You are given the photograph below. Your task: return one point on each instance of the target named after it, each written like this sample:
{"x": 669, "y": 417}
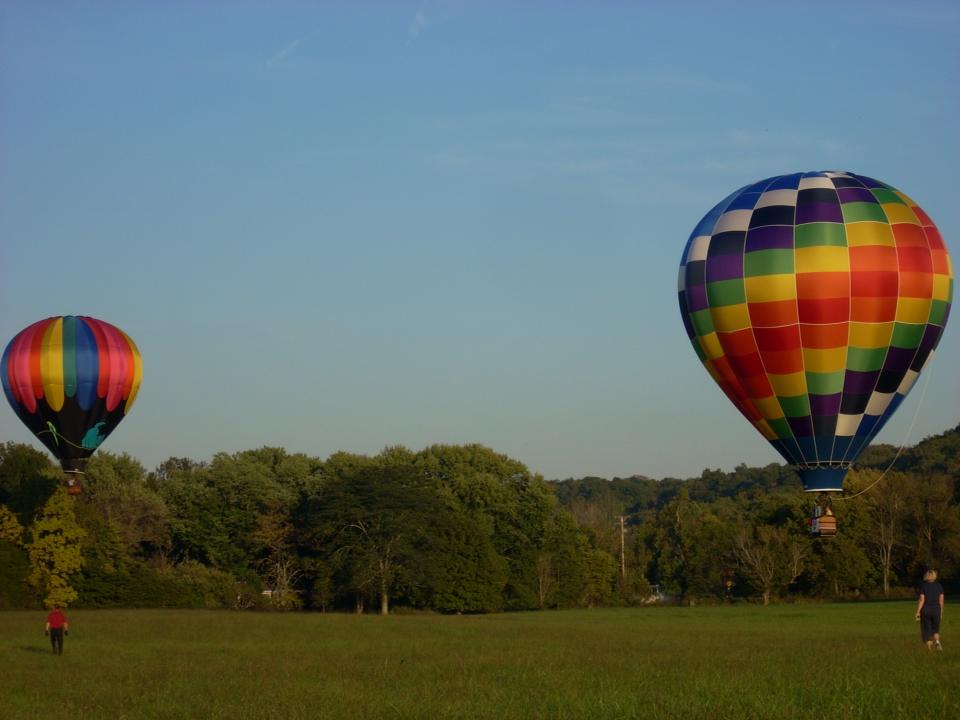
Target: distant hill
{"x": 937, "y": 454}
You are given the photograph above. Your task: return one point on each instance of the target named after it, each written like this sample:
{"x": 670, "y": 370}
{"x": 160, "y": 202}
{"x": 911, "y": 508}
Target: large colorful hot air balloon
{"x": 71, "y": 380}
{"x": 814, "y": 300}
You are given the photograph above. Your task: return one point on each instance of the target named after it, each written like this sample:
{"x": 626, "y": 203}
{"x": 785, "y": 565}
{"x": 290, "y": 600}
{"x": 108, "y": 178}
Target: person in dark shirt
{"x": 56, "y": 627}
{"x": 930, "y": 610}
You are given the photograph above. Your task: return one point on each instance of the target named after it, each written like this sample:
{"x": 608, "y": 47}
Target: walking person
{"x": 930, "y": 610}
{"x": 56, "y": 627}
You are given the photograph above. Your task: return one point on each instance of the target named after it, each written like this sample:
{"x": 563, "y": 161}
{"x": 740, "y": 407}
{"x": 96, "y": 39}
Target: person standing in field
{"x": 56, "y": 627}
{"x": 930, "y": 610}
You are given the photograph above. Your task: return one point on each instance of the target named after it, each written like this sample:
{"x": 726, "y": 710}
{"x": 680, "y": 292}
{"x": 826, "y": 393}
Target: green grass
{"x": 798, "y": 661}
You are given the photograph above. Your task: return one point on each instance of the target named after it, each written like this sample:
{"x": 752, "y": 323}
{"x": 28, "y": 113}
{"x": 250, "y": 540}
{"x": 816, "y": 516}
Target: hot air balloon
{"x": 815, "y": 300}
{"x": 71, "y": 380}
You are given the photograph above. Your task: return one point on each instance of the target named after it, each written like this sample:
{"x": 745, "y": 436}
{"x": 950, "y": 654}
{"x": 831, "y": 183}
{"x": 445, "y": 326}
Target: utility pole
{"x": 623, "y": 554}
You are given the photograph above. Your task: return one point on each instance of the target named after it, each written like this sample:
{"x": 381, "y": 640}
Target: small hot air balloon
{"x": 815, "y": 300}
{"x": 71, "y": 380}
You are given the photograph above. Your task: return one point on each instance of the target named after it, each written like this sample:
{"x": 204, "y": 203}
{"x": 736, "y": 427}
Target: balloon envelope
{"x": 71, "y": 380}
{"x": 814, "y": 300}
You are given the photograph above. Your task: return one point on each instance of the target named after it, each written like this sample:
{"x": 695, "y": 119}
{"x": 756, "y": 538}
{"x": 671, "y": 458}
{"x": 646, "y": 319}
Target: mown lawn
{"x": 799, "y": 661}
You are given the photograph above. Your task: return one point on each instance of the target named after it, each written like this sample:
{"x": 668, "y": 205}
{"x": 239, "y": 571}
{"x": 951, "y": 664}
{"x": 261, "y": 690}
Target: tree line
{"x": 459, "y": 529}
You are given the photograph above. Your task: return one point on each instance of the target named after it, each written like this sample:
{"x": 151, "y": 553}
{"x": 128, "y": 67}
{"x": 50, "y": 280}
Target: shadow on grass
{"x": 35, "y": 649}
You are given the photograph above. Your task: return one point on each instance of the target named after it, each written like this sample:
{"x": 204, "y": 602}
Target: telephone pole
{"x": 623, "y": 554}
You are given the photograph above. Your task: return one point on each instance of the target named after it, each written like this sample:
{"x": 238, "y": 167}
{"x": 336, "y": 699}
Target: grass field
{"x": 807, "y": 661}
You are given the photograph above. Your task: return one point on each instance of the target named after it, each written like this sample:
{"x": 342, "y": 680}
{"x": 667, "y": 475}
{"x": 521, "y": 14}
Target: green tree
{"x": 460, "y": 570}
{"x": 771, "y": 558}
{"x": 510, "y": 504}
{"x": 885, "y": 501}
{"x": 562, "y": 572}
{"x": 104, "y": 579}
{"x": 273, "y": 540}
{"x": 27, "y": 479}
{"x": 571, "y": 570}
{"x": 171, "y": 467}
{"x": 14, "y": 565}
{"x": 932, "y": 525}
{"x": 600, "y": 577}
{"x": 54, "y": 550}
{"x": 639, "y": 543}
{"x": 936, "y": 454}
{"x": 599, "y": 511}
{"x": 694, "y": 542}
{"x": 842, "y": 566}
{"x": 116, "y": 485}
{"x": 215, "y": 508}
{"x": 373, "y": 520}
{"x": 11, "y": 530}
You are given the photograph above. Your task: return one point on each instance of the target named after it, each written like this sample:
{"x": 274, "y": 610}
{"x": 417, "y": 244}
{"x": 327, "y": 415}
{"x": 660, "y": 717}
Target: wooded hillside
{"x": 459, "y": 529}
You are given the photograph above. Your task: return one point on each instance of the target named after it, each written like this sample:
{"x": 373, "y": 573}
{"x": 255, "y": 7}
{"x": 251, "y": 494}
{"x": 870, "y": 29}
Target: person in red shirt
{"x": 57, "y": 626}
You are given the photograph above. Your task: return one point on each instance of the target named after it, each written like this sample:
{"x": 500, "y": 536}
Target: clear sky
{"x": 342, "y": 226}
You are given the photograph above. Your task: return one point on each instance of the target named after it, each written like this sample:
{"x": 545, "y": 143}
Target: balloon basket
{"x": 72, "y": 483}
{"x": 822, "y": 523}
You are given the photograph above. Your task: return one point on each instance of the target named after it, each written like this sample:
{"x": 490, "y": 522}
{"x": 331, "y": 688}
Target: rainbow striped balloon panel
{"x": 814, "y": 300}
{"x": 71, "y": 380}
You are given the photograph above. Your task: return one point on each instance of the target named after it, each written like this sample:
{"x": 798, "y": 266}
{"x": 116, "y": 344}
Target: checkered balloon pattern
{"x": 815, "y": 300}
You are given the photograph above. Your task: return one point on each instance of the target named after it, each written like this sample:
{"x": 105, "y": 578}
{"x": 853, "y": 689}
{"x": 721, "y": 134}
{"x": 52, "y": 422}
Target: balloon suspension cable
{"x": 903, "y": 445}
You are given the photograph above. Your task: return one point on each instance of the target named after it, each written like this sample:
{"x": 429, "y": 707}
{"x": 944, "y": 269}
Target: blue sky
{"x": 339, "y": 226}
